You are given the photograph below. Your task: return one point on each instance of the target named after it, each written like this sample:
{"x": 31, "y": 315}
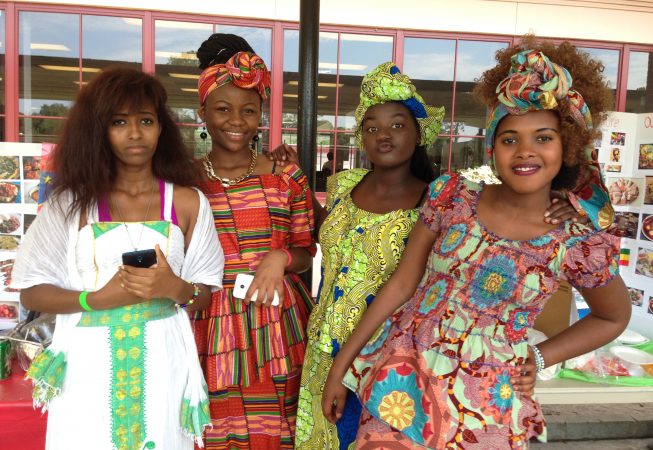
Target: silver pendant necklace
{"x": 147, "y": 212}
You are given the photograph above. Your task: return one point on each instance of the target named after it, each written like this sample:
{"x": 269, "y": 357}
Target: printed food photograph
{"x": 623, "y": 191}
{"x": 646, "y": 156}
{"x": 626, "y": 224}
{"x": 10, "y": 223}
{"x": 8, "y": 167}
{"x": 617, "y": 138}
{"x": 8, "y": 242}
{"x": 9, "y": 311}
{"x": 31, "y": 167}
{"x": 647, "y": 227}
{"x": 644, "y": 265}
{"x": 636, "y": 296}
{"x": 6, "y": 267}
{"x": 648, "y": 191}
{"x": 27, "y": 221}
{"x": 9, "y": 192}
{"x": 31, "y": 192}
{"x": 613, "y": 168}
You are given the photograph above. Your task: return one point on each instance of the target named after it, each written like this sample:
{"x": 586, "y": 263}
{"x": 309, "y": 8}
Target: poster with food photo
{"x": 646, "y": 156}
{"x": 648, "y": 191}
{"x": 626, "y": 224}
{"x": 617, "y": 138}
{"x": 644, "y": 264}
{"x": 647, "y": 227}
{"x": 636, "y": 296}
{"x": 9, "y": 314}
{"x": 625, "y": 191}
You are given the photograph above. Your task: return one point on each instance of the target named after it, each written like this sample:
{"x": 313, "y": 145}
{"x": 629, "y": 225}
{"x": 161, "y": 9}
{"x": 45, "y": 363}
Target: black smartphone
{"x": 139, "y": 258}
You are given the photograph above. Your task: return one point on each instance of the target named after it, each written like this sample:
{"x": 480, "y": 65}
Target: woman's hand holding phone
{"x": 156, "y": 281}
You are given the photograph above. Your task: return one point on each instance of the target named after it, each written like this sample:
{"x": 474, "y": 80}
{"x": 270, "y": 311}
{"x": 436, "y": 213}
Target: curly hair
{"x": 588, "y": 80}
{"x": 83, "y": 159}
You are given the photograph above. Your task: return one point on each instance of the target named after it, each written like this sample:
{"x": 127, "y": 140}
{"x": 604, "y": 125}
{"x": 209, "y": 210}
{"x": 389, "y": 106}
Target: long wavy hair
{"x": 83, "y": 160}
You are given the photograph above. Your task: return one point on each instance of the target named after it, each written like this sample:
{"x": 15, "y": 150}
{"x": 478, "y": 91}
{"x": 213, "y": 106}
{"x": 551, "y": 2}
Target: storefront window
{"x": 176, "y": 65}
{"x": 639, "y": 97}
{"x": 2, "y": 75}
{"x": 49, "y": 74}
{"x": 359, "y": 53}
{"x": 467, "y": 129}
{"x": 49, "y": 56}
{"x": 430, "y": 64}
{"x": 125, "y": 36}
{"x": 610, "y": 60}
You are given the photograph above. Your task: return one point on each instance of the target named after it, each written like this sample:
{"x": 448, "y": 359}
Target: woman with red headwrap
{"x": 251, "y": 349}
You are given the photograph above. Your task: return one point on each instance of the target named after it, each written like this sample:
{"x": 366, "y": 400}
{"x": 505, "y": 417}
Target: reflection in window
{"x": 49, "y": 60}
{"x": 125, "y": 37}
{"x": 176, "y": 65}
{"x": 610, "y": 60}
{"x": 49, "y": 73}
{"x": 2, "y": 76}
{"x": 639, "y": 96}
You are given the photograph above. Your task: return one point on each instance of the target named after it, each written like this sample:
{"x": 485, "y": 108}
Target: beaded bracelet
{"x": 196, "y": 293}
{"x": 539, "y": 359}
{"x": 289, "y": 255}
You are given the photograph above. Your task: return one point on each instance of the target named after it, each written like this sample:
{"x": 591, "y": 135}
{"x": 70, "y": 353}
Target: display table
{"x": 21, "y": 426}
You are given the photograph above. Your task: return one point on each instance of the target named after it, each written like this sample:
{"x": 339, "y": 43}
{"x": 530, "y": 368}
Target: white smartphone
{"x": 243, "y": 281}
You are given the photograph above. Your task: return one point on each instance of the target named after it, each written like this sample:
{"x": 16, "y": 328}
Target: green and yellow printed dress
{"x": 360, "y": 250}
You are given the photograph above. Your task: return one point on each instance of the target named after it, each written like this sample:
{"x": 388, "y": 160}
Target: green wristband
{"x": 82, "y": 301}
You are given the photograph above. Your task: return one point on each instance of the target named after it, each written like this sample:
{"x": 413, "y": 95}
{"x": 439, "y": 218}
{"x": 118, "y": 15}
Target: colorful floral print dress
{"x": 437, "y": 373}
{"x": 252, "y": 355}
{"x": 360, "y": 250}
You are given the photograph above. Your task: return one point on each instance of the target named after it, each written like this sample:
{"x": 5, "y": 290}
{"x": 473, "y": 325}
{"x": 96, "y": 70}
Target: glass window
{"x": 430, "y": 64}
{"x": 49, "y": 73}
{"x": 2, "y": 75}
{"x": 359, "y": 53}
{"x": 474, "y": 57}
{"x": 260, "y": 39}
{"x": 125, "y": 35}
{"x": 176, "y": 44}
{"x": 49, "y": 60}
{"x": 610, "y": 60}
{"x": 639, "y": 96}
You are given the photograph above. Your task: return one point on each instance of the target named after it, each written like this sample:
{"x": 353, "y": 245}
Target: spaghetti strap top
{"x": 167, "y": 213}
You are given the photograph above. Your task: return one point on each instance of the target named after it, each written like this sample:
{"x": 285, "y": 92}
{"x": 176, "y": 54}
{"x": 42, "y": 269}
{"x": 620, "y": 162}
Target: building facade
{"x": 51, "y": 49}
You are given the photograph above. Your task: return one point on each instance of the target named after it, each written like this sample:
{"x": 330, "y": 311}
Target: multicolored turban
{"x": 387, "y": 84}
{"x": 244, "y": 69}
{"x": 535, "y": 83}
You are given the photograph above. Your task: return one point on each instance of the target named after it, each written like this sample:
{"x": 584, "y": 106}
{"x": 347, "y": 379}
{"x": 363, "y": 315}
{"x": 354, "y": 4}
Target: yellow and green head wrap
{"x": 387, "y": 84}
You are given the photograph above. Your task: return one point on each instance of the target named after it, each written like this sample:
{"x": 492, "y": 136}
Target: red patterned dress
{"x": 437, "y": 373}
{"x": 252, "y": 355}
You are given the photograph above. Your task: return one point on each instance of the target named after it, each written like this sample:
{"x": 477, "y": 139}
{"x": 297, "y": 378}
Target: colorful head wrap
{"x": 244, "y": 69}
{"x": 387, "y": 84}
{"x": 535, "y": 83}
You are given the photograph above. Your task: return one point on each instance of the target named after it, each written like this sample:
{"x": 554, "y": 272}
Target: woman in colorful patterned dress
{"x": 122, "y": 369}
{"x": 436, "y": 373}
{"x": 252, "y": 352}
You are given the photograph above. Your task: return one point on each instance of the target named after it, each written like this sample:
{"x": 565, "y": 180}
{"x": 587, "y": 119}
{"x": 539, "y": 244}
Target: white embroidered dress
{"x": 129, "y": 377}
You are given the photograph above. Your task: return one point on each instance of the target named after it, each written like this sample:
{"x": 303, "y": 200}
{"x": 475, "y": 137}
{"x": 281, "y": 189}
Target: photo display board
{"x": 625, "y": 152}
{"x": 20, "y": 188}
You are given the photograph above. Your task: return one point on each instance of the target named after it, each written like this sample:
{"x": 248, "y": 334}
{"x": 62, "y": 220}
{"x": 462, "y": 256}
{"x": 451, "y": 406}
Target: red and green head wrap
{"x": 536, "y": 83}
{"x": 245, "y": 70}
{"x": 387, "y": 84}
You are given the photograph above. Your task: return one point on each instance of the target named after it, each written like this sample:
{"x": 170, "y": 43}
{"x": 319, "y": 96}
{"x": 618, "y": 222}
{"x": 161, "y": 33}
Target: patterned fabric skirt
{"x": 252, "y": 358}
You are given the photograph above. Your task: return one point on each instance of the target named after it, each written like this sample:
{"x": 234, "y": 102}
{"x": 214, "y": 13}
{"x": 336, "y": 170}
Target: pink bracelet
{"x": 289, "y": 255}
